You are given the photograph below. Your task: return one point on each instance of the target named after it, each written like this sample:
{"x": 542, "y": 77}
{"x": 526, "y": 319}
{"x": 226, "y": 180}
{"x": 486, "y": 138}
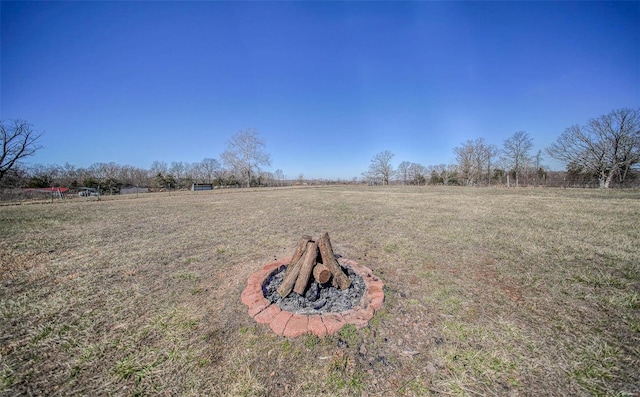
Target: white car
{"x": 86, "y": 192}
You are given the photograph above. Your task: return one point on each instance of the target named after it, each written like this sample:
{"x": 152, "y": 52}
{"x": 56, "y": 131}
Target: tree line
{"x": 604, "y": 152}
{"x": 240, "y": 165}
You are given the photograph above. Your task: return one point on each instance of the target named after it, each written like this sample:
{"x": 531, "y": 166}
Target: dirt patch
{"x": 505, "y": 284}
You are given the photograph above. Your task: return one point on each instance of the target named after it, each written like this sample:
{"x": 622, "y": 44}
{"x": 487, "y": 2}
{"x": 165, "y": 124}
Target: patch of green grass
{"x": 631, "y": 271}
{"x": 390, "y": 248}
{"x": 380, "y": 316}
{"x": 190, "y": 260}
{"x": 335, "y": 381}
{"x": 287, "y": 347}
{"x": 185, "y": 275}
{"x": 600, "y": 279}
{"x": 416, "y": 386}
{"x": 342, "y": 375}
{"x": 203, "y": 362}
{"x": 448, "y": 300}
{"x": 624, "y": 300}
{"x": 87, "y": 354}
{"x": 6, "y": 377}
{"x": 189, "y": 324}
{"x": 311, "y": 341}
{"x": 484, "y": 366}
{"x": 478, "y": 359}
{"x": 355, "y": 383}
{"x": 595, "y": 366}
{"x": 457, "y": 330}
{"x": 130, "y": 368}
{"x": 349, "y": 333}
{"x": 414, "y": 302}
{"x": 42, "y": 334}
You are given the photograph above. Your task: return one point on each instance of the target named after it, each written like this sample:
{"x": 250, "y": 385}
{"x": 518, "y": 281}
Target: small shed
{"x": 201, "y": 186}
{"x": 134, "y": 190}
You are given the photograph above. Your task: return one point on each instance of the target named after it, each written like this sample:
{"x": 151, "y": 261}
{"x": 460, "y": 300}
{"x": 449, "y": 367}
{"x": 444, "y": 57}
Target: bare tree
{"x": 607, "y": 146}
{"x": 139, "y": 177}
{"x": 41, "y": 175}
{"x": 194, "y": 170}
{"x": 474, "y": 159}
{"x": 19, "y": 140}
{"x": 266, "y": 178}
{"x": 279, "y": 175}
{"x": 381, "y": 168}
{"x": 467, "y": 162}
{"x": 418, "y": 173}
{"x": 208, "y": 168}
{"x": 490, "y": 153}
{"x": 483, "y": 154}
{"x": 107, "y": 175}
{"x": 17, "y": 176}
{"x": 539, "y": 170}
{"x": 245, "y": 154}
{"x": 68, "y": 175}
{"x": 97, "y": 171}
{"x": 515, "y": 153}
{"x": 159, "y": 167}
{"x": 178, "y": 169}
{"x": 443, "y": 173}
{"x": 402, "y": 173}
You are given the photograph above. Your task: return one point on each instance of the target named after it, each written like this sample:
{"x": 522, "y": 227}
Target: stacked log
{"x": 329, "y": 260}
{"x": 312, "y": 258}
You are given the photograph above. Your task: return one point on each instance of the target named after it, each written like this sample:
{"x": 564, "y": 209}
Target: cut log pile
{"x": 312, "y": 258}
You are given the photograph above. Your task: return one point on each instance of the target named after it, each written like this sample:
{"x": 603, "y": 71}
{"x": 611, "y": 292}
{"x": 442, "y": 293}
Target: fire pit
{"x": 313, "y": 292}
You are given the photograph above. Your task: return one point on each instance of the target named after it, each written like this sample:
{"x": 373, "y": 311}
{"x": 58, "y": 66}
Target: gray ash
{"x": 317, "y": 298}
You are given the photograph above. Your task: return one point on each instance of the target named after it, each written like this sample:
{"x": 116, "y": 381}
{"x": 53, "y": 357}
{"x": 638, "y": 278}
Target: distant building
{"x": 201, "y": 186}
{"x": 59, "y": 192}
{"x": 134, "y": 190}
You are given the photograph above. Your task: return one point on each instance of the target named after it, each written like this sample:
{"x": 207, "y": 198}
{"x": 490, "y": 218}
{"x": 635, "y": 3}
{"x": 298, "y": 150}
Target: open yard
{"x": 488, "y": 292}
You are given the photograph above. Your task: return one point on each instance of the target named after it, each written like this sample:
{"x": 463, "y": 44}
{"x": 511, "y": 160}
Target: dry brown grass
{"x": 489, "y": 292}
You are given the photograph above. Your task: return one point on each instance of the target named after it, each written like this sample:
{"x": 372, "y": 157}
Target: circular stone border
{"x": 292, "y": 325}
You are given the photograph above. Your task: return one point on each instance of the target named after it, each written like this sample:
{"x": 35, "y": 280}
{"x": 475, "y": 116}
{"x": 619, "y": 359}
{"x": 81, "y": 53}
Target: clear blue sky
{"x": 327, "y": 84}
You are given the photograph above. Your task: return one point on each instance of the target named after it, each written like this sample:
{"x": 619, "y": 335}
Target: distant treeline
{"x": 110, "y": 177}
{"x": 603, "y": 153}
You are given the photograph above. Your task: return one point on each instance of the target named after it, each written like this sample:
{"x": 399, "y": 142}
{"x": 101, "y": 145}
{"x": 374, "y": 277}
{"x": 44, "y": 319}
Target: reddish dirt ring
{"x": 292, "y": 325}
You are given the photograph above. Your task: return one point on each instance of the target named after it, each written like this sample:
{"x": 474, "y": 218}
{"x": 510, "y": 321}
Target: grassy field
{"x": 488, "y": 292}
